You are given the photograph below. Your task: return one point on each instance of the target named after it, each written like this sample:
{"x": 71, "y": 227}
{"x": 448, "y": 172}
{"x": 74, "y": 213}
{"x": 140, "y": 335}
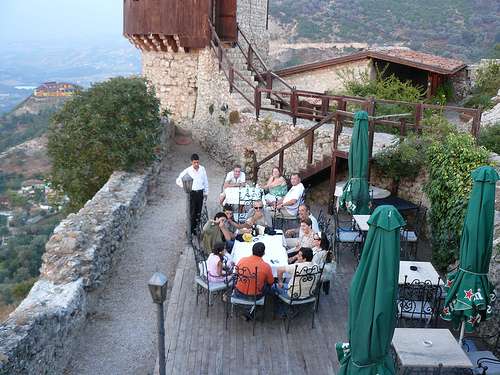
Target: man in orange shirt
{"x": 264, "y": 274}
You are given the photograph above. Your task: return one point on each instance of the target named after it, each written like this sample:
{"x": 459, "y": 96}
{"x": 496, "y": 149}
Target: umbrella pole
{"x": 462, "y": 334}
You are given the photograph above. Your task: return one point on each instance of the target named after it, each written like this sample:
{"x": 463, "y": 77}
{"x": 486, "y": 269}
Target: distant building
{"x": 29, "y": 186}
{"x": 55, "y": 89}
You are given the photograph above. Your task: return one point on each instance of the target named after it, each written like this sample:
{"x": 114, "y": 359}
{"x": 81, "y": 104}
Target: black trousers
{"x": 195, "y": 205}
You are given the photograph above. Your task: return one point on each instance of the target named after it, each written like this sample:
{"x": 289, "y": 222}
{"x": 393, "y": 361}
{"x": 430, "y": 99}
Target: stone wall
{"x": 39, "y": 336}
{"x": 252, "y": 19}
{"x": 324, "y": 79}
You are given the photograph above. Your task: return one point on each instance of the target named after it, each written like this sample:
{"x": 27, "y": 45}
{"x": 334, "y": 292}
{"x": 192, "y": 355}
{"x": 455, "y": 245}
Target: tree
{"x": 112, "y": 125}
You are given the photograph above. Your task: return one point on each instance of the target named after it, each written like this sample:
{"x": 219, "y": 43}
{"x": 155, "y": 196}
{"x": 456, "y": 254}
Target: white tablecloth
{"x": 233, "y": 194}
{"x": 275, "y": 254}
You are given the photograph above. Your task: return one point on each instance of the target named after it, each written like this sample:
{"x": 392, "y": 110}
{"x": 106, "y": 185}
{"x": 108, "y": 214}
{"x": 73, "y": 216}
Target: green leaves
{"x": 112, "y": 125}
{"x": 451, "y": 160}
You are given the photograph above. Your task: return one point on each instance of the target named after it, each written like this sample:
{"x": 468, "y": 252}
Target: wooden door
{"x": 225, "y": 20}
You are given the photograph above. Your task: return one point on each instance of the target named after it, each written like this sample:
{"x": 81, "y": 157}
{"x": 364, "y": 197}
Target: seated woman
{"x": 215, "y": 263}
{"x": 305, "y": 241}
{"x": 321, "y": 245}
{"x": 276, "y": 185}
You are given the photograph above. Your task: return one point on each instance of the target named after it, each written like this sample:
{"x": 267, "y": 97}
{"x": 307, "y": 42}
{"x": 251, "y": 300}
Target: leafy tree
{"x": 487, "y": 84}
{"x": 18, "y": 200}
{"x": 112, "y": 125}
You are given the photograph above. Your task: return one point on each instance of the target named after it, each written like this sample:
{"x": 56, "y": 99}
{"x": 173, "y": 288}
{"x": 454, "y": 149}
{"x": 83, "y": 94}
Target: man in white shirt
{"x": 199, "y": 191}
{"x": 233, "y": 179}
{"x": 289, "y": 204}
{"x": 304, "y": 211}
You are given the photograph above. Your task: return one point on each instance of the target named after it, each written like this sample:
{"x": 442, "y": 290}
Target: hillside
{"x": 459, "y": 29}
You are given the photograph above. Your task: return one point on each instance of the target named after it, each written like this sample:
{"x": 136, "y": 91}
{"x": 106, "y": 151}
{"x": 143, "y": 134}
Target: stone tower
{"x": 175, "y": 37}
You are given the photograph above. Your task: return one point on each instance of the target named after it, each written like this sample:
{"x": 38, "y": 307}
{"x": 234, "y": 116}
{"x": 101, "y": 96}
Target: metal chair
{"x": 246, "y": 281}
{"x": 204, "y": 286}
{"x": 324, "y": 223}
{"x": 411, "y": 234}
{"x": 303, "y": 295}
{"x": 418, "y": 303}
{"x": 346, "y": 236}
{"x": 287, "y": 222}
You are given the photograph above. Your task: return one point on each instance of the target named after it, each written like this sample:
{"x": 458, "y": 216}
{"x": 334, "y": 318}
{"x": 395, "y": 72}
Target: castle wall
{"x": 40, "y": 335}
{"x": 324, "y": 79}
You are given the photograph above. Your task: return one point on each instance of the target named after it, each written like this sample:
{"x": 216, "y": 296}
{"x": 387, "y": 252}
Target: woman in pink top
{"x": 215, "y": 263}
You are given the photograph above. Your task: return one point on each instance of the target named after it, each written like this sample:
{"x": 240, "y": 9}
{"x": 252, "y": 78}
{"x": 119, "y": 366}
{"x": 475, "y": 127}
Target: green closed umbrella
{"x": 471, "y": 295}
{"x": 355, "y": 196}
{"x": 373, "y": 298}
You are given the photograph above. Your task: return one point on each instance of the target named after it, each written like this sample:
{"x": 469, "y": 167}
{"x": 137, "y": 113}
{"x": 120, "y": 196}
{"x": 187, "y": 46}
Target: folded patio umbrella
{"x": 373, "y": 299}
{"x": 355, "y": 197}
{"x": 471, "y": 295}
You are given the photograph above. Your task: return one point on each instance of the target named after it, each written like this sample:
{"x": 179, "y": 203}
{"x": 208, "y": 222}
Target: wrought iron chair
{"x": 418, "y": 303}
{"x": 245, "y": 203}
{"x": 411, "y": 234}
{"x": 486, "y": 361}
{"x": 309, "y": 286}
{"x": 246, "y": 281}
{"x": 346, "y": 236}
{"x": 204, "y": 286}
{"x": 324, "y": 223}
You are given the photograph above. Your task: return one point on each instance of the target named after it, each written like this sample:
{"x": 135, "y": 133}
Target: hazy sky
{"x": 46, "y": 18}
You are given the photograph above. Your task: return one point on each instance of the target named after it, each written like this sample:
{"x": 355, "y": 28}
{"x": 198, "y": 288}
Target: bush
{"x": 451, "y": 160}
{"x": 112, "y": 125}
{"x": 490, "y": 137}
{"x": 487, "y": 84}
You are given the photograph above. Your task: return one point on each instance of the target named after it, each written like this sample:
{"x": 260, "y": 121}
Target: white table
{"x": 233, "y": 195}
{"x": 424, "y": 271}
{"x": 275, "y": 254}
{"x": 362, "y": 221}
{"x": 375, "y": 192}
{"x": 428, "y": 348}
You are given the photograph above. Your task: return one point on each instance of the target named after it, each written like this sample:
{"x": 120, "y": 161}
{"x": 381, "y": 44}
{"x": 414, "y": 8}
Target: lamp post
{"x": 158, "y": 288}
{"x": 187, "y": 184}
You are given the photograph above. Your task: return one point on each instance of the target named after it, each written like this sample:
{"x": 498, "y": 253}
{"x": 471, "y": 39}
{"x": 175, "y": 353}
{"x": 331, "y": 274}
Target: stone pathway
{"x": 121, "y": 337}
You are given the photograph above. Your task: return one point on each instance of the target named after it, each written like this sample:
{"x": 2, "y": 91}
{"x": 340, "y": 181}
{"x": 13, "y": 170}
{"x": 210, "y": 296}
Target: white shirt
{"x": 294, "y": 193}
{"x": 230, "y": 178}
{"x": 200, "y": 180}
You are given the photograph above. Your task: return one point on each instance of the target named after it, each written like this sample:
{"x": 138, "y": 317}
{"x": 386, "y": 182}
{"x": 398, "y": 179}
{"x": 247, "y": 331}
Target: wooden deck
{"x": 197, "y": 345}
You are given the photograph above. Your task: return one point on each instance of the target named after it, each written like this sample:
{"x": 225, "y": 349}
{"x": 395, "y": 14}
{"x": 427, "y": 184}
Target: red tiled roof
{"x": 407, "y": 57}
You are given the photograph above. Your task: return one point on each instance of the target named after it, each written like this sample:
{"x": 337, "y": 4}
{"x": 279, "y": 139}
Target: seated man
{"x": 288, "y": 205}
{"x": 304, "y": 211}
{"x": 259, "y": 215}
{"x": 229, "y": 233}
{"x": 211, "y": 232}
{"x": 233, "y": 179}
{"x": 300, "y": 284}
{"x": 264, "y": 275}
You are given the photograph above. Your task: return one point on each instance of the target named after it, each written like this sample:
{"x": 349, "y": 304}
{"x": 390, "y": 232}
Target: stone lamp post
{"x": 158, "y": 288}
{"x": 187, "y": 184}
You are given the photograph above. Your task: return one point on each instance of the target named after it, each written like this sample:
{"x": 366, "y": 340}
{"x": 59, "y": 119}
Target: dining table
{"x": 275, "y": 253}
{"x": 399, "y": 204}
{"x": 410, "y": 271}
{"x": 428, "y": 351}
{"x": 242, "y": 195}
{"x": 375, "y": 192}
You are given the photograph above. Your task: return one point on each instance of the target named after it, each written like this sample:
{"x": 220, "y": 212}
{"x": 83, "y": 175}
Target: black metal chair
{"x": 287, "y": 222}
{"x": 246, "y": 281}
{"x": 324, "y": 223}
{"x": 418, "y": 303}
{"x": 486, "y": 361}
{"x": 411, "y": 234}
{"x": 346, "y": 236}
{"x": 303, "y": 295}
{"x": 204, "y": 286}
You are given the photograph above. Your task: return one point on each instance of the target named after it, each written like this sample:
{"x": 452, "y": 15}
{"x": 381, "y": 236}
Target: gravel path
{"x": 120, "y": 336}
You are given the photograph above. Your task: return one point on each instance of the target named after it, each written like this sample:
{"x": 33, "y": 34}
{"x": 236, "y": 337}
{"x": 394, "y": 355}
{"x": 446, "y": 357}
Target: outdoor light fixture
{"x": 158, "y": 288}
{"x": 187, "y": 183}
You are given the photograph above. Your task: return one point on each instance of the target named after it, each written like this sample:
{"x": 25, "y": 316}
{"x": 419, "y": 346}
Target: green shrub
{"x": 451, "y": 160}
{"x": 112, "y": 125}
{"x": 489, "y": 137}
{"x": 487, "y": 84}
{"x": 401, "y": 160}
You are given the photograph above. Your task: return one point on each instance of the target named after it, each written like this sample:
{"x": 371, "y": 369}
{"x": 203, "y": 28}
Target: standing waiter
{"x": 200, "y": 188}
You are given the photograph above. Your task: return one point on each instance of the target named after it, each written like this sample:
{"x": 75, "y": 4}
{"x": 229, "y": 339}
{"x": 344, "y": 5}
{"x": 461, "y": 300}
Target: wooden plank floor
{"x": 196, "y": 344}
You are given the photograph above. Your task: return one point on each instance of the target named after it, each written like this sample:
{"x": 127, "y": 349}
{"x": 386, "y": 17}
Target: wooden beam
{"x": 170, "y": 41}
{"x": 139, "y": 42}
{"x": 158, "y": 42}
{"x": 148, "y": 42}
